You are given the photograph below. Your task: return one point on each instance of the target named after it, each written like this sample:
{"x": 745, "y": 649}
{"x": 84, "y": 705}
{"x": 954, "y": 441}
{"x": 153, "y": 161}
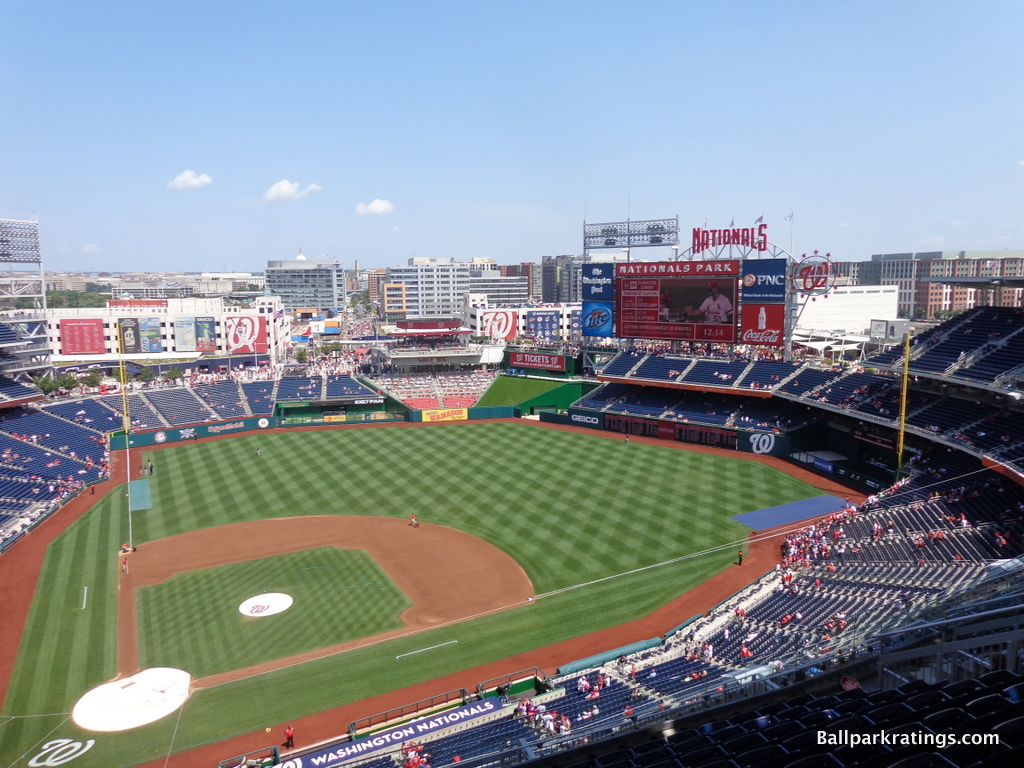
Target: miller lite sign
{"x": 764, "y": 325}
{"x": 598, "y": 317}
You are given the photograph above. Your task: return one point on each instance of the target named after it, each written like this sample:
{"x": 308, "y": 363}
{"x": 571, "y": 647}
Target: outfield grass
{"x": 570, "y": 508}
{"x": 192, "y": 622}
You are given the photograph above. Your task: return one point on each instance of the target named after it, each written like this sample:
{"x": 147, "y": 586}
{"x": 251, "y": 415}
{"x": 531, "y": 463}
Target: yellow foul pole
{"x": 903, "y": 403}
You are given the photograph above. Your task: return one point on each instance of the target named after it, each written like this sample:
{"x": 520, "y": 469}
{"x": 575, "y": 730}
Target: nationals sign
{"x": 536, "y": 360}
{"x": 499, "y": 324}
{"x": 245, "y": 335}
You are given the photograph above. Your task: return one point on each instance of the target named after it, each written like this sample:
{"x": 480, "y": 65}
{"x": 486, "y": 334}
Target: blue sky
{"x": 495, "y": 129}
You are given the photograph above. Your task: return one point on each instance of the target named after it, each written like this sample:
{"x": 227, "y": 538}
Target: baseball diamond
{"x": 548, "y": 504}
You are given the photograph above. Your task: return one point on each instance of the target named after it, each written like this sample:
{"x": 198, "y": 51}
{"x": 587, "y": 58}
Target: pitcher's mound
{"x": 132, "y": 701}
{"x": 266, "y": 604}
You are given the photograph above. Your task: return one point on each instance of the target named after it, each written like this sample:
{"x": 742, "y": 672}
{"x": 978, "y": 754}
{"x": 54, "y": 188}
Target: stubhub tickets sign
{"x": 342, "y": 753}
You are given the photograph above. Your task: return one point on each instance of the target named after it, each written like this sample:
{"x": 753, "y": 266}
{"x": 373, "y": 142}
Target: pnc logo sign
{"x": 750, "y": 281}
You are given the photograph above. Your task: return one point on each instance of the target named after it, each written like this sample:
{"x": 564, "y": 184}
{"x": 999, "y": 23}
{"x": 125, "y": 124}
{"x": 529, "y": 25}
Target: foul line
{"x": 370, "y": 644}
{"x": 421, "y": 650}
{"x": 85, "y": 592}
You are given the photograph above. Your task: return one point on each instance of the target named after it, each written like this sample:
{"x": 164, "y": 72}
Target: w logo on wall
{"x": 245, "y": 335}
{"x": 498, "y": 325}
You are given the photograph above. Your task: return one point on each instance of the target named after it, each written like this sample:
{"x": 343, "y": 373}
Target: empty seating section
{"x": 658, "y": 367}
{"x": 417, "y": 391}
{"x": 767, "y": 374}
{"x": 16, "y": 493}
{"x": 180, "y": 406}
{"x": 985, "y": 325}
{"x": 27, "y": 459}
{"x": 142, "y": 416}
{"x": 997, "y": 362}
{"x": 260, "y": 395}
{"x": 948, "y": 414}
{"x": 851, "y": 389}
{"x": 8, "y": 335}
{"x": 12, "y": 390}
{"x": 716, "y": 373}
{"x": 462, "y": 389}
{"x": 622, "y": 364}
{"x": 224, "y": 398}
{"x": 300, "y": 388}
{"x": 41, "y": 428}
{"x": 892, "y": 355}
{"x": 346, "y": 386}
{"x": 808, "y": 379}
{"x": 785, "y": 734}
{"x": 87, "y": 412}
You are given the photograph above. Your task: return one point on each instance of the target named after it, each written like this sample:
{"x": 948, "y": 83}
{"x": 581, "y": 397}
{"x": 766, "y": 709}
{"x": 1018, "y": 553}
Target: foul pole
{"x": 126, "y": 425}
{"x": 903, "y": 404}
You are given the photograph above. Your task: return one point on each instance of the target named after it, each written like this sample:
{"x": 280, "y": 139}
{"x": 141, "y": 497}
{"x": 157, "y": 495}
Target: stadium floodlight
{"x": 19, "y": 242}
{"x": 631, "y": 234}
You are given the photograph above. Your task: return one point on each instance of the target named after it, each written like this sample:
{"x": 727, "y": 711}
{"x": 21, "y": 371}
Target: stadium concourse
{"x": 901, "y": 610}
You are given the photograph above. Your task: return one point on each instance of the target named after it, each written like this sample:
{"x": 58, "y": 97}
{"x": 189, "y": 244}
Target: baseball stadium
{"x": 682, "y": 546}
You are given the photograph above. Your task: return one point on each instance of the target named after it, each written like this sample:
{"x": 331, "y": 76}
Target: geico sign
{"x": 585, "y": 419}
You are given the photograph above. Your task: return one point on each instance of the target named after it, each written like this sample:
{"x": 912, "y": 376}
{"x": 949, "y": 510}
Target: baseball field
{"x": 509, "y": 512}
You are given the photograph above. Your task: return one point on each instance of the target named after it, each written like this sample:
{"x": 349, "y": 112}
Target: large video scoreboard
{"x": 688, "y": 300}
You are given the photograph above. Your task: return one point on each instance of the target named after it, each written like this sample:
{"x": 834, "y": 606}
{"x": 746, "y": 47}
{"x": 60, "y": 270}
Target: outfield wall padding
{"x": 602, "y": 658}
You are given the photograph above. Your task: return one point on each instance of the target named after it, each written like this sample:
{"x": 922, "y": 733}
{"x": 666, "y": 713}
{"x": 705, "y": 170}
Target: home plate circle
{"x": 132, "y": 701}
{"x": 266, "y": 605}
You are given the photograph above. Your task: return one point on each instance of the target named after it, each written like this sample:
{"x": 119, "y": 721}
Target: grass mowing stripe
{"x": 569, "y": 507}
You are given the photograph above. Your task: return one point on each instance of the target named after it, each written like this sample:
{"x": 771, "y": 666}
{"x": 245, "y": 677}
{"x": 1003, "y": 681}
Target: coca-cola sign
{"x": 764, "y": 325}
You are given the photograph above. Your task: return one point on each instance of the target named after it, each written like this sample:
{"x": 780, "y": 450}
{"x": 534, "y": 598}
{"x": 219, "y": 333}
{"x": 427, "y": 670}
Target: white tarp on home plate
{"x": 133, "y": 701}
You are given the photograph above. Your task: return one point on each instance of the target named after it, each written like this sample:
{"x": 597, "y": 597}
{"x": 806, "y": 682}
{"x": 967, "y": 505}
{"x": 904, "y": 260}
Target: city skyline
{"x": 192, "y": 138}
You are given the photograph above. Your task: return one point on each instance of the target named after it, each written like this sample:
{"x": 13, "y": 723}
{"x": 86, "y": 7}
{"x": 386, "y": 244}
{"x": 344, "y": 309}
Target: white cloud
{"x": 91, "y": 248}
{"x": 934, "y": 241}
{"x": 958, "y": 223}
{"x": 376, "y": 208}
{"x": 1020, "y": 163}
{"x": 289, "y": 190}
{"x": 190, "y": 180}
{"x": 846, "y": 224}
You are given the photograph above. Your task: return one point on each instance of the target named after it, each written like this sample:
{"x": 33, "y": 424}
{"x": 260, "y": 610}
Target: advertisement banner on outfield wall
{"x": 179, "y": 434}
{"x": 395, "y": 737}
{"x": 764, "y": 443}
{"x": 536, "y": 360}
{"x": 592, "y": 419}
{"x": 446, "y": 414}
